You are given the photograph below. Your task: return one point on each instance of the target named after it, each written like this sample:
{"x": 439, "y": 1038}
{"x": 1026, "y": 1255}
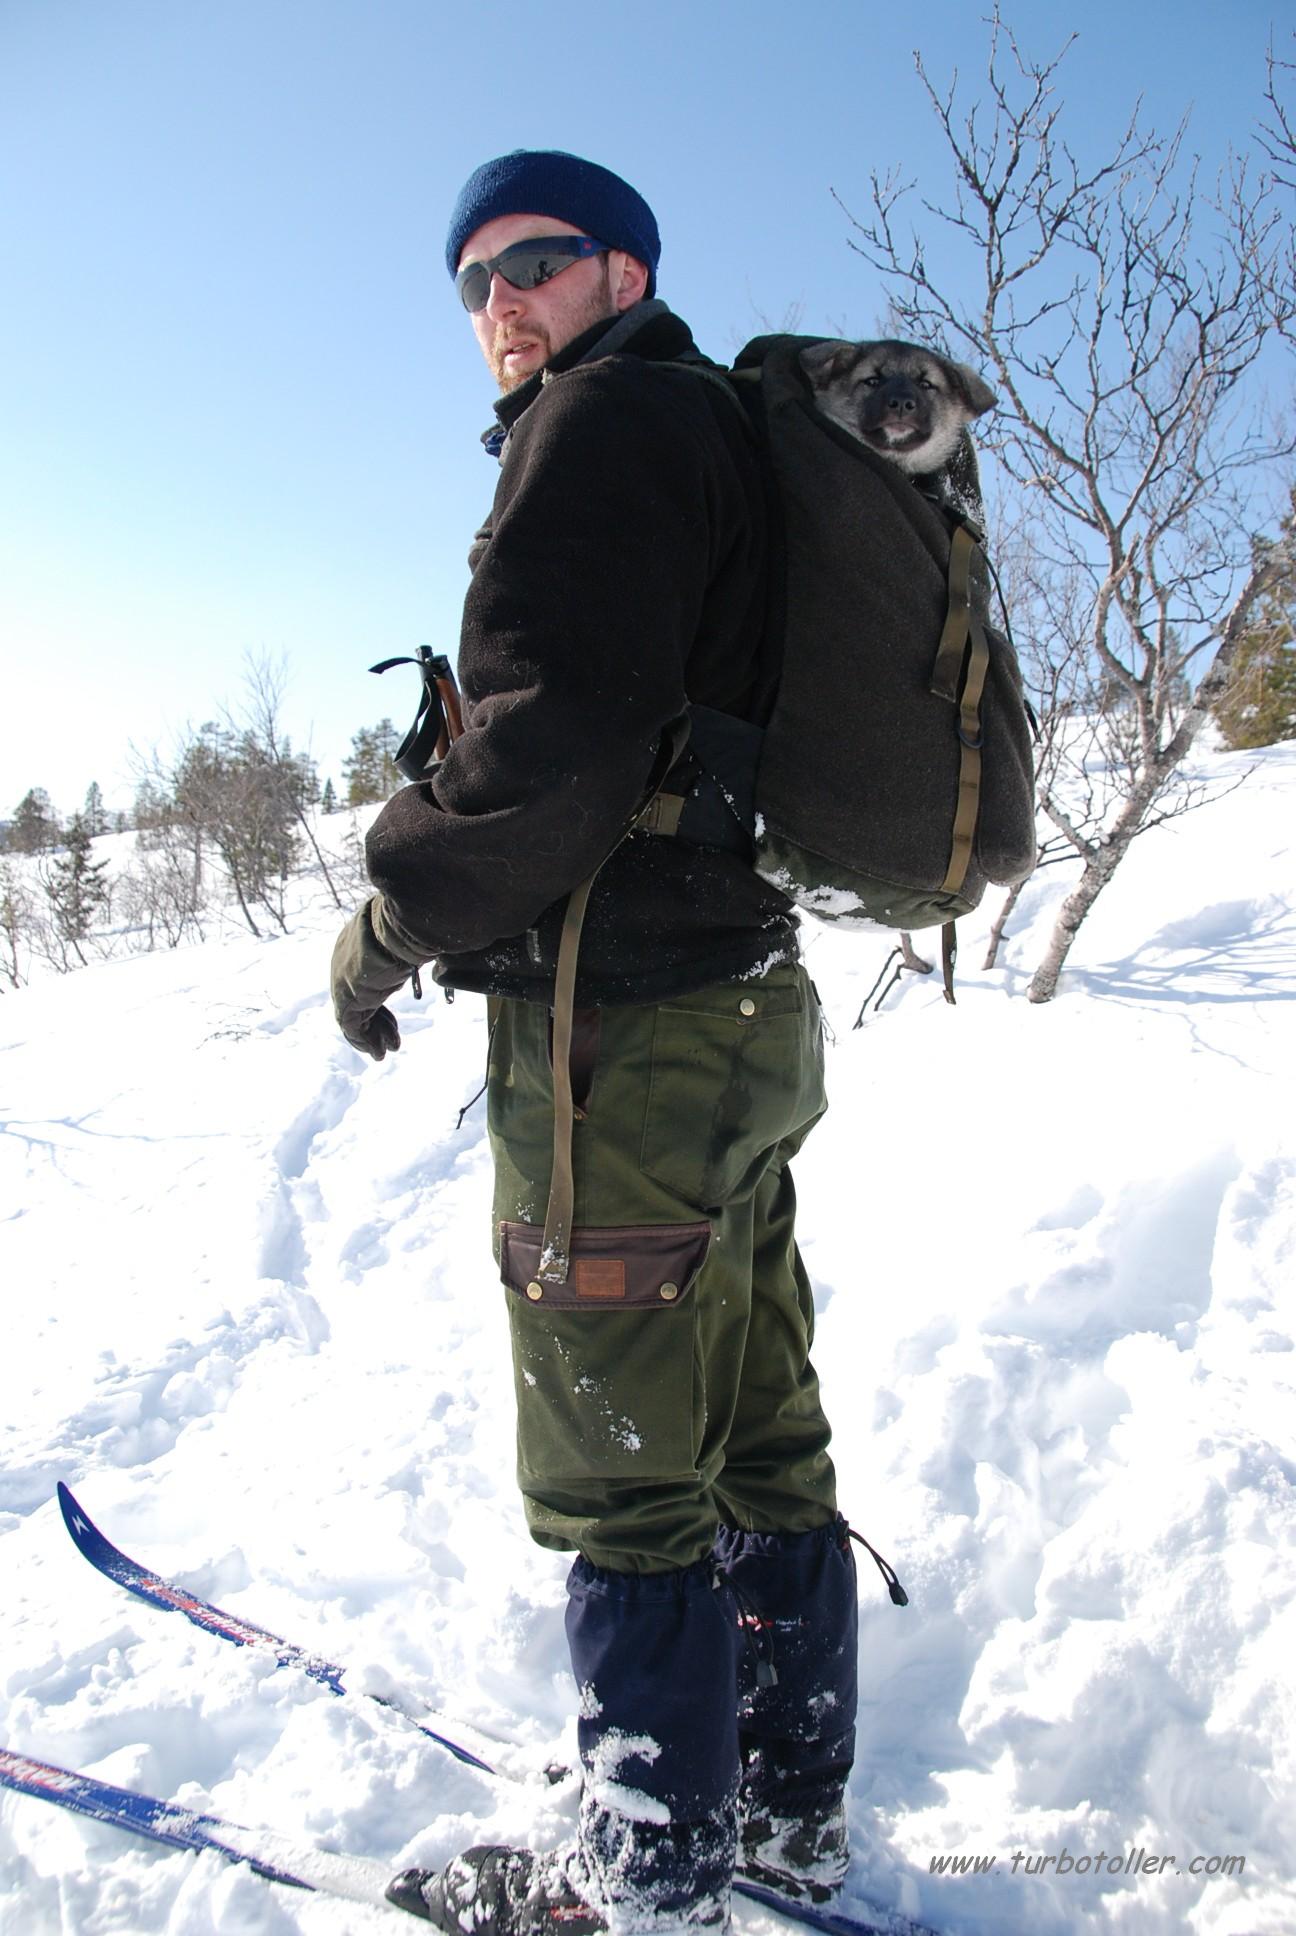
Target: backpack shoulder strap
{"x": 555, "y": 1247}
{"x": 734, "y": 384}
{"x": 959, "y": 676}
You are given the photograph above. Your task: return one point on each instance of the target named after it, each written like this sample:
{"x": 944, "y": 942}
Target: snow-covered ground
{"x": 250, "y": 1317}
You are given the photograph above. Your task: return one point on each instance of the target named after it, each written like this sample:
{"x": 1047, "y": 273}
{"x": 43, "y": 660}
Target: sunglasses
{"x": 524, "y": 265}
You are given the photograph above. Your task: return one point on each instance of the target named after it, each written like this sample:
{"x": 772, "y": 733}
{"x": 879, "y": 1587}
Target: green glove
{"x": 363, "y": 975}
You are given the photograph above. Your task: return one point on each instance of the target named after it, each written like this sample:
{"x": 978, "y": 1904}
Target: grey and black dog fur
{"x": 905, "y": 403}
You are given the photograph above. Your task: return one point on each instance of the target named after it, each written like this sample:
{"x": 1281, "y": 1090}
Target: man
{"x": 669, "y": 1426}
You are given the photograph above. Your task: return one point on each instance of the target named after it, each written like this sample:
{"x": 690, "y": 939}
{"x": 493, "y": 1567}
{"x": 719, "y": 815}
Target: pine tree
{"x": 93, "y": 812}
{"x": 76, "y": 887}
{"x": 370, "y": 769}
{"x": 328, "y": 799}
{"x": 1258, "y": 707}
{"x": 156, "y": 814}
{"x": 35, "y": 826}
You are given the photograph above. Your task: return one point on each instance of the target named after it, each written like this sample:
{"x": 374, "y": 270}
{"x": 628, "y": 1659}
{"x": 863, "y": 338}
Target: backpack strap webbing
{"x": 663, "y": 808}
{"x": 949, "y": 955}
{"x": 555, "y": 1248}
{"x": 963, "y": 638}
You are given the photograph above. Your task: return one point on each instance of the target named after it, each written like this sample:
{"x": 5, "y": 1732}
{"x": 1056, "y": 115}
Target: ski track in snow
{"x": 258, "y": 1331}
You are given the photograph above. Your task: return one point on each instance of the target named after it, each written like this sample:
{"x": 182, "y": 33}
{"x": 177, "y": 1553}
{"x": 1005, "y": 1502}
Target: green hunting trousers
{"x": 666, "y": 1387}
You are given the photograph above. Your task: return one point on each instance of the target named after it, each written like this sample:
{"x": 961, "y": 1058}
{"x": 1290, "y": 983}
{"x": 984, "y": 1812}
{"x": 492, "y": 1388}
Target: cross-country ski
{"x": 271, "y": 1855}
{"x": 832, "y": 1919}
{"x": 492, "y": 1756}
{"x": 300, "y": 1866}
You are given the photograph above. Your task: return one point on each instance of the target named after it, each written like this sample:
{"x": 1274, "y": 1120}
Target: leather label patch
{"x": 621, "y": 1263}
{"x": 599, "y": 1276}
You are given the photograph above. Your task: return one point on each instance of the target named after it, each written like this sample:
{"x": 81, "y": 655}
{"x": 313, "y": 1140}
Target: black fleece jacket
{"x": 622, "y": 574}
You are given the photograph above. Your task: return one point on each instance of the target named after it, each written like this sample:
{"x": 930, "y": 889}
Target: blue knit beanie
{"x": 546, "y": 181}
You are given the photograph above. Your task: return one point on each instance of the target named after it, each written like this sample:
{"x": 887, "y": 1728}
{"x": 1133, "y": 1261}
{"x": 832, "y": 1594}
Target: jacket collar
{"x": 649, "y": 329}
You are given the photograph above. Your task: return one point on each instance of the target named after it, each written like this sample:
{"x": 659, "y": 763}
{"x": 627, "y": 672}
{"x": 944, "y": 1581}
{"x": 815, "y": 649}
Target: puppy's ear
{"x": 824, "y": 361}
{"x": 978, "y": 396}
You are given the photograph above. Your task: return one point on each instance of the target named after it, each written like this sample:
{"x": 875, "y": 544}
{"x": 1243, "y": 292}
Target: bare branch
{"x": 1121, "y": 313}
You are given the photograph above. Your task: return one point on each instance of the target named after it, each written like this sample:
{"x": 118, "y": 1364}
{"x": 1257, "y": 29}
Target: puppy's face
{"x": 905, "y": 403}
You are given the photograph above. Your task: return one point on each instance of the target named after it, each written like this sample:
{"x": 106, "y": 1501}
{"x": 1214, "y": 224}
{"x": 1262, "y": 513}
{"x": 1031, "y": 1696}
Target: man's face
{"x": 521, "y": 329}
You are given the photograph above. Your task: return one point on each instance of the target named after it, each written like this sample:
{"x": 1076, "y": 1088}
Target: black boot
{"x": 655, "y": 1657}
{"x": 797, "y": 1597}
{"x": 497, "y": 1892}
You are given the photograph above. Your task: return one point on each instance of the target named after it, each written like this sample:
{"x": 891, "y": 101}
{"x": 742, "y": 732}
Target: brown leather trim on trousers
{"x": 647, "y": 1266}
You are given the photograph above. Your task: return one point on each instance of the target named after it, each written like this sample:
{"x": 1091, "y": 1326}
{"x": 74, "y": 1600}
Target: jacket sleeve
{"x": 577, "y": 626}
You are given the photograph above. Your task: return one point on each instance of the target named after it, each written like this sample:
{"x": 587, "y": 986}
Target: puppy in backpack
{"x": 906, "y": 404}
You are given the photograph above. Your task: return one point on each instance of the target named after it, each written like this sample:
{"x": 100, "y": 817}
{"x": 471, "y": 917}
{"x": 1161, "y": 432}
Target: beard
{"x": 597, "y": 307}
{"x": 506, "y": 378}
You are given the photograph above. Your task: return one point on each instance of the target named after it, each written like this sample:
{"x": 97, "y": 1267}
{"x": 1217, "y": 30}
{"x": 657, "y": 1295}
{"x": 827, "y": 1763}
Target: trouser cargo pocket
{"x": 736, "y": 1071}
{"x": 606, "y": 1364}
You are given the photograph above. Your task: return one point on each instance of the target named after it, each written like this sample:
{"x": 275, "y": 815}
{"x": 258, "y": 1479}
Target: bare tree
{"x": 291, "y": 775}
{"x": 209, "y": 796}
{"x": 1277, "y": 135}
{"x": 235, "y": 791}
{"x": 229, "y": 789}
{"x": 351, "y": 866}
{"x": 1120, "y": 313}
{"x": 1088, "y": 743}
{"x": 1276, "y": 139}
{"x": 160, "y": 897}
{"x": 164, "y": 828}
{"x": 17, "y": 921}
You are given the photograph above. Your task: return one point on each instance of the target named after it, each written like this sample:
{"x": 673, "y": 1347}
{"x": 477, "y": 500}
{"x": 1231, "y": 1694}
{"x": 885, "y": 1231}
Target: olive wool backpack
{"x": 894, "y": 777}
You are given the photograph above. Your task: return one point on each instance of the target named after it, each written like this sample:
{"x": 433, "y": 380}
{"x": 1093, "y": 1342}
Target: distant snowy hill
{"x": 250, "y": 1316}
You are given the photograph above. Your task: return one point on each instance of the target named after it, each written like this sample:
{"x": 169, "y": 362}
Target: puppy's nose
{"x": 897, "y": 404}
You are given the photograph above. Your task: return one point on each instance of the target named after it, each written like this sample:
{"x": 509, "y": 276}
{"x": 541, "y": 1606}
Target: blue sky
{"x": 239, "y": 403}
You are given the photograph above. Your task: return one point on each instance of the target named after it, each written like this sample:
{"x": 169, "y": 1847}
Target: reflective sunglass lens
{"x": 474, "y": 287}
{"x": 524, "y": 264}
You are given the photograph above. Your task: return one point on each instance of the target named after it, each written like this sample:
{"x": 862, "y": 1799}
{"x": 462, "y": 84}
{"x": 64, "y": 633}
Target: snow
{"x": 251, "y": 1318}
